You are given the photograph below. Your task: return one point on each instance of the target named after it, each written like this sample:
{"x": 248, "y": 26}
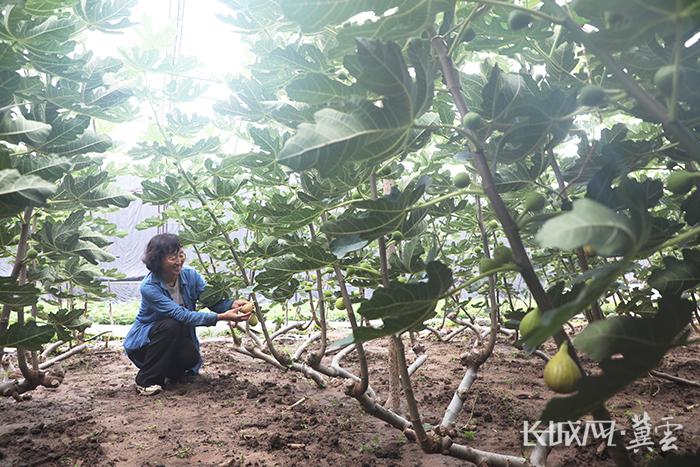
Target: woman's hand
{"x": 234, "y": 314}
{"x": 238, "y": 304}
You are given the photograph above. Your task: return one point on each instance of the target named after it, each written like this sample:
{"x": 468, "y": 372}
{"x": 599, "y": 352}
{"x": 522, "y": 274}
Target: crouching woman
{"x": 162, "y": 342}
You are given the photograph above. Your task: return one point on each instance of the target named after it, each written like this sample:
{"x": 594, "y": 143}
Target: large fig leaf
{"x": 589, "y": 223}
{"x": 404, "y": 306}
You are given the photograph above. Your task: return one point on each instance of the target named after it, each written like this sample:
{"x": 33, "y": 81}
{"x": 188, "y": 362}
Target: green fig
{"x": 461, "y": 180}
{"x": 529, "y": 321}
{"x": 591, "y": 96}
{"x": 561, "y": 373}
{"x": 486, "y": 265}
{"x": 467, "y": 35}
{"x": 253, "y": 320}
{"x": 681, "y": 181}
{"x": 31, "y": 253}
{"x": 397, "y": 236}
{"x": 502, "y": 255}
{"x": 340, "y": 303}
{"x": 472, "y": 121}
{"x": 518, "y": 20}
{"x": 663, "y": 78}
{"x": 534, "y": 202}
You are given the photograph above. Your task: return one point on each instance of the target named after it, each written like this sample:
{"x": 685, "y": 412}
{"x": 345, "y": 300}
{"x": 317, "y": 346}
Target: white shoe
{"x": 149, "y": 390}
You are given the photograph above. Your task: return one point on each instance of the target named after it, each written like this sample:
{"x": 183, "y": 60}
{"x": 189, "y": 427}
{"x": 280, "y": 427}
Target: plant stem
{"x": 360, "y": 387}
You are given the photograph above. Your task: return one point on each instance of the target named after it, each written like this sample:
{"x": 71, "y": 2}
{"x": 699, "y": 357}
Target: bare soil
{"x": 239, "y": 412}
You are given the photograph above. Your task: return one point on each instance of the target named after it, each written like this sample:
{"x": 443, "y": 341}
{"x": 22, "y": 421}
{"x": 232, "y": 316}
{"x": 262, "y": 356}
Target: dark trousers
{"x": 170, "y": 352}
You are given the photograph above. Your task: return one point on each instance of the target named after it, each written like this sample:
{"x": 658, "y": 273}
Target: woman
{"x": 162, "y": 342}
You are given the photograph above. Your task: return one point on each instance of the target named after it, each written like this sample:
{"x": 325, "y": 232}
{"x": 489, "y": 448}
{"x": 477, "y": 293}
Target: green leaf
{"x": 589, "y": 223}
{"x": 65, "y": 321}
{"x": 161, "y": 193}
{"x": 380, "y": 217}
{"x": 280, "y": 270}
{"x": 317, "y": 88}
{"x": 48, "y": 167}
{"x": 15, "y": 124}
{"x": 11, "y": 293}
{"x": 19, "y": 191}
{"x": 37, "y": 35}
{"x": 314, "y": 15}
{"x": 402, "y": 307}
{"x": 45, "y": 8}
{"x": 224, "y": 189}
{"x": 91, "y": 191}
{"x": 105, "y": 15}
{"x": 636, "y": 26}
{"x": 677, "y": 275}
{"x": 219, "y": 287}
{"x": 368, "y": 133}
{"x": 62, "y": 239}
{"x": 408, "y": 20}
{"x": 29, "y": 336}
{"x": 626, "y": 348}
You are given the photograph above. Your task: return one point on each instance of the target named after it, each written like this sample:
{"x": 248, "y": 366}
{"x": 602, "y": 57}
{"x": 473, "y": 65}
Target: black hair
{"x": 158, "y": 248}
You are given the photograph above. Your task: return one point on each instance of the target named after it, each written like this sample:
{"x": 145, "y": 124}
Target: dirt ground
{"x": 241, "y": 412}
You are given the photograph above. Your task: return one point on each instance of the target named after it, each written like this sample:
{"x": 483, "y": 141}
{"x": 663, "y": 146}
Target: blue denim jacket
{"x": 157, "y": 304}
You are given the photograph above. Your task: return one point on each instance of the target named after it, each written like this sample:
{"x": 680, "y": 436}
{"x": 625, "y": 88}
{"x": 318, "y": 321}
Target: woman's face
{"x": 172, "y": 263}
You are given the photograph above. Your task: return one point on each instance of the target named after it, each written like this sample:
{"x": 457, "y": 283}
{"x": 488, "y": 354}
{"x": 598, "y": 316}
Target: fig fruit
{"x": 486, "y": 265}
{"x": 529, "y": 321}
{"x": 663, "y": 78}
{"x": 461, "y": 180}
{"x": 561, "y": 373}
{"x": 340, "y": 303}
{"x": 518, "y": 20}
{"x": 248, "y": 308}
{"x": 493, "y": 224}
{"x": 534, "y": 202}
{"x": 472, "y": 121}
{"x": 591, "y": 96}
{"x": 397, "y": 236}
{"x": 467, "y": 35}
{"x": 589, "y": 251}
{"x": 31, "y": 253}
{"x": 502, "y": 255}
{"x": 253, "y": 320}
{"x": 681, "y": 181}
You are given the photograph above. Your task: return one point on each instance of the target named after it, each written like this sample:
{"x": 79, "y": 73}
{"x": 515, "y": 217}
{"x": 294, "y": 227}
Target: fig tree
{"x": 561, "y": 373}
{"x": 518, "y": 20}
